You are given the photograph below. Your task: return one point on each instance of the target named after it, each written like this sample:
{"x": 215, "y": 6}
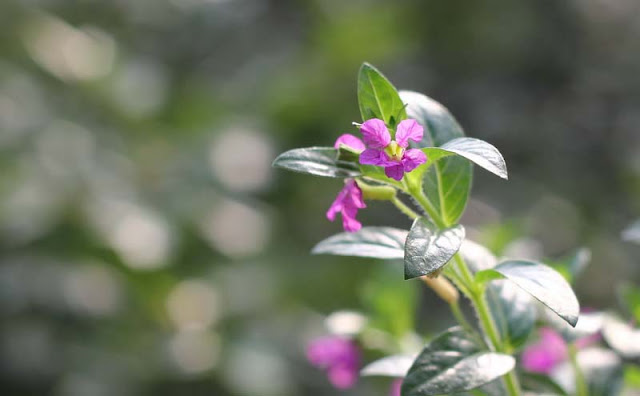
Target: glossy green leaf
{"x": 319, "y": 161}
{"x": 378, "y": 98}
{"x": 428, "y": 249}
{"x": 514, "y": 311}
{"x": 452, "y": 362}
{"x": 542, "y": 282}
{"x": 447, "y": 181}
{"x": 632, "y": 233}
{"x": 376, "y": 242}
{"x": 480, "y": 153}
{"x": 390, "y": 366}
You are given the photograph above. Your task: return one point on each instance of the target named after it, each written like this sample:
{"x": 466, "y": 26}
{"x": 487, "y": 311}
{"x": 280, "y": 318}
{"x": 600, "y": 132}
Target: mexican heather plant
{"x": 410, "y": 150}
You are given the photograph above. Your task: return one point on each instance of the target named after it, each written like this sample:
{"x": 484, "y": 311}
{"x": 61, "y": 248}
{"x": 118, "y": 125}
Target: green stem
{"x": 581, "y": 385}
{"x": 404, "y": 208}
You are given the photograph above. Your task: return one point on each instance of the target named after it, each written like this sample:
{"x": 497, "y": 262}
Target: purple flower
{"x": 348, "y": 201}
{"x": 396, "y": 386}
{"x": 544, "y": 355}
{"x": 393, "y": 155}
{"x": 349, "y": 140}
{"x": 339, "y": 356}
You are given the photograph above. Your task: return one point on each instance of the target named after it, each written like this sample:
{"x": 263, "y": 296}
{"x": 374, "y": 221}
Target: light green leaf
{"x": 621, "y": 337}
{"x": 376, "y": 242}
{"x": 378, "y": 98}
{"x": 447, "y": 181}
{"x": 542, "y": 282}
{"x": 319, "y": 161}
{"x": 452, "y": 362}
{"x": 630, "y": 296}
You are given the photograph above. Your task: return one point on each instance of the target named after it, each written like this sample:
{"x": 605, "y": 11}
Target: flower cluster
{"x": 378, "y": 149}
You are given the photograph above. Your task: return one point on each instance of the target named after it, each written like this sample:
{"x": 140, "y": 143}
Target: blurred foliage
{"x": 147, "y": 247}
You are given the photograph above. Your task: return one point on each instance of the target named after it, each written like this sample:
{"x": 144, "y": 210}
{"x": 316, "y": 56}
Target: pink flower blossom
{"x": 348, "y": 201}
{"x": 339, "y": 356}
{"x": 393, "y": 155}
{"x": 396, "y": 386}
{"x": 544, "y": 355}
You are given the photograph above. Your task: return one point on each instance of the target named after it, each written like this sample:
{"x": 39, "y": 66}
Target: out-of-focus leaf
{"x": 630, "y": 296}
{"x": 542, "y": 282}
{"x": 319, "y": 161}
{"x": 541, "y": 383}
{"x": 572, "y": 266}
{"x": 632, "y": 233}
{"x": 513, "y": 310}
{"x": 376, "y": 242}
{"x": 389, "y": 301}
{"x": 428, "y": 249}
{"x": 390, "y": 366}
{"x": 602, "y": 370}
{"x": 452, "y": 362}
{"x": 447, "y": 181}
{"x": 589, "y": 323}
{"x": 632, "y": 376}
{"x": 621, "y": 337}
{"x": 476, "y": 256}
{"x": 378, "y": 98}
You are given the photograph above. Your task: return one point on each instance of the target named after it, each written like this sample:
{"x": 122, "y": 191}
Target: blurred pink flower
{"x": 396, "y": 386}
{"x": 393, "y": 155}
{"x": 347, "y": 203}
{"x": 339, "y": 356}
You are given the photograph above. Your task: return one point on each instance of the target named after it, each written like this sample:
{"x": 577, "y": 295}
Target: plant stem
{"x": 404, "y": 208}
{"x": 581, "y": 386}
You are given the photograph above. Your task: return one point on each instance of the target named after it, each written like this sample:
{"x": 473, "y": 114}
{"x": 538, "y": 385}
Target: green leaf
{"x": 632, "y": 233}
{"x": 319, "y": 161}
{"x": 438, "y": 123}
{"x": 513, "y": 310}
{"x": 376, "y": 242}
{"x": 602, "y": 370}
{"x": 390, "y": 366}
{"x": 571, "y": 267}
{"x": 480, "y": 153}
{"x": 542, "y": 282}
{"x": 447, "y": 181}
{"x": 541, "y": 383}
{"x": 378, "y": 98}
{"x": 428, "y": 249}
{"x": 452, "y": 362}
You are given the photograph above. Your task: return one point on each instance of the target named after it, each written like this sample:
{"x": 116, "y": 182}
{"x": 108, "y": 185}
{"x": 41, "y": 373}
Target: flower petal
{"x": 337, "y": 204}
{"x": 395, "y": 171}
{"x": 408, "y": 130}
{"x": 349, "y": 140}
{"x": 413, "y": 158}
{"x": 349, "y": 222}
{"x": 373, "y": 157}
{"x": 375, "y": 133}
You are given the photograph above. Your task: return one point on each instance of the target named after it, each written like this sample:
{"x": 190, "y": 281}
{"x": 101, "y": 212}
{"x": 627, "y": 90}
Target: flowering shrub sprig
{"x": 413, "y": 147}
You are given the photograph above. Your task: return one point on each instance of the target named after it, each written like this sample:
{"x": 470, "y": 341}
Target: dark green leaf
{"x": 621, "y": 337}
{"x": 447, "y": 181}
{"x": 319, "y": 161}
{"x": 428, "y": 249}
{"x": 513, "y": 310}
{"x": 438, "y": 123}
{"x": 390, "y": 366}
{"x": 452, "y": 362}
{"x": 542, "y": 282}
{"x": 376, "y": 242}
{"x": 632, "y": 233}
{"x": 378, "y": 98}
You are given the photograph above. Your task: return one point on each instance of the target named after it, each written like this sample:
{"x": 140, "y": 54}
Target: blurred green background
{"x": 148, "y": 248}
